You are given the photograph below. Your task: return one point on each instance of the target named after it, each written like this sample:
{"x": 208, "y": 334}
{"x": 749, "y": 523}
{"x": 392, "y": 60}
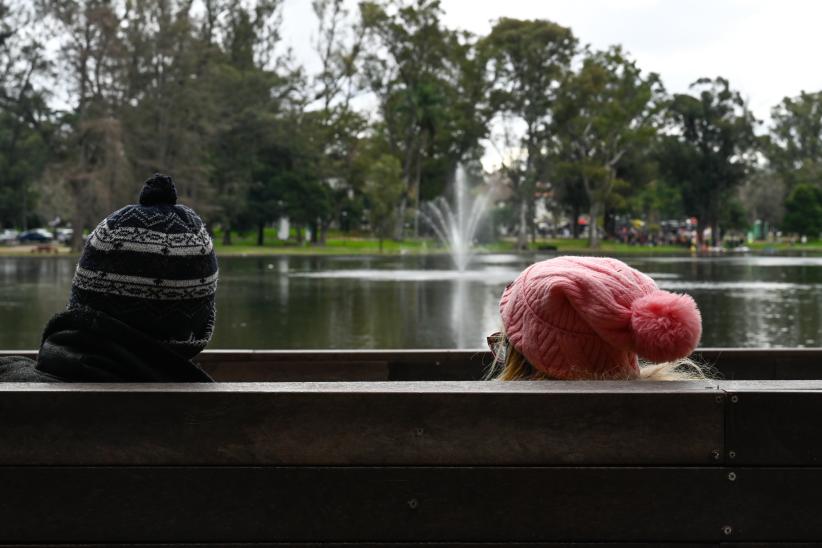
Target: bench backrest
{"x": 461, "y": 365}
{"x": 412, "y": 462}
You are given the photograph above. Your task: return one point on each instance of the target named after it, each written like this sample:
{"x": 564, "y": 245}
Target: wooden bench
{"x": 463, "y": 463}
{"x": 457, "y": 365}
{"x": 45, "y": 248}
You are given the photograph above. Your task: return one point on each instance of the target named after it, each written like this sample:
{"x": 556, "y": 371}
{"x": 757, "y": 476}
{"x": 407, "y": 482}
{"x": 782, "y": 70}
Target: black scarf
{"x": 85, "y": 345}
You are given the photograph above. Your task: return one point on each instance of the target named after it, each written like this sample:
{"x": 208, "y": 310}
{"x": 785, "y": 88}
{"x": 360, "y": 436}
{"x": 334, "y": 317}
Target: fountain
{"x": 456, "y": 226}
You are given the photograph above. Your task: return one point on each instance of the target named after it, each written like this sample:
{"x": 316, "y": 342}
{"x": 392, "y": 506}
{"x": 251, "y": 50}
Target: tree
{"x": 803, "y": 211}
{"x": 795, "y": 142}
{"x": 430, "y": 86}
{"x": 249, "y": 99}
{"x": 763, "y": 197}
{"x": 170, "y": 109}
{"x": 26, "y": 121}
{"x": 383, "y": 189}
{"x": 338, "y": 126}
{"x": 527, "y": 60}
{"x": 91, "y": 155}
{"x": 604, "y": 112}
{"x": 709, "y": 149}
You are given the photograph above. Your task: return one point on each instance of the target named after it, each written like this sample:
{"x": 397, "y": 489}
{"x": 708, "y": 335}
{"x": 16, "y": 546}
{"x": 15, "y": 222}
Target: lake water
{"x": 417, "y": 302}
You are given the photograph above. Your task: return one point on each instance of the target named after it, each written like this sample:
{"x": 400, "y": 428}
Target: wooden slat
{"x": 453, "y": 423}
{"x": 222, "y": 504}
{"x": 388, "y": 545}
{"x": 776, "y": 505}
{"x": 764, "y": 363}
{"x": 413, "y": 365}
{"x": 345, "y": 365}
{"x": 774, "y": 423}
{"x": 770, "y": 544}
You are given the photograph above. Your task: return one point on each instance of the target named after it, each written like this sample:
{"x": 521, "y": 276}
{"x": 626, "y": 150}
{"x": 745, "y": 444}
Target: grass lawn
{"x": 340, "y": 244}
{"x": 31, "y": 251}
{"x": 812, "y": 246}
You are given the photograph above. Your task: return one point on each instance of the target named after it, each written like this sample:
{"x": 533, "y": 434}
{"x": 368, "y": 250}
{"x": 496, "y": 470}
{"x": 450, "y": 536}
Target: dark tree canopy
{"x": 709, "y": 150}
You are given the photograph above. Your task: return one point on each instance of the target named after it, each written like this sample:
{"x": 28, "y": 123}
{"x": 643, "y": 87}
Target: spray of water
{"x": 456, "y": 225}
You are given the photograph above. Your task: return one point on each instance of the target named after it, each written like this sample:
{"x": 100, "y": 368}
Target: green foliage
{"x": 803, "y": 211}
{"x": 383, "y": 189}
{"x": 734, "y": 216}
{"x": 659, "y": 200}
{"x": 606, "y": 112}
{"x": 795, "y": 144}
{"x": 710, "y": 148}
{"x": 527, "y": 60}
{"x": 431, "y": 88}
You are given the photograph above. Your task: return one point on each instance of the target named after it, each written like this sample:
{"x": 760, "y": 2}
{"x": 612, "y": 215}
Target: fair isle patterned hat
{"x": 153, "y": 267}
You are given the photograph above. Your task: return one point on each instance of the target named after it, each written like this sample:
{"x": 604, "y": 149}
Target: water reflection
{"x": 418, "y": 302}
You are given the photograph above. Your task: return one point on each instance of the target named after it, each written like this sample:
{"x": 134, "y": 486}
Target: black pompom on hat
{"x": 158, "y": 189}
{"x": 152, "y": 266}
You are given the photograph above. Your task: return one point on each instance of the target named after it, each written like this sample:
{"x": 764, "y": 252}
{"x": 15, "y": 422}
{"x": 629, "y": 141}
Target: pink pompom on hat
{"x": 590, "y": 317}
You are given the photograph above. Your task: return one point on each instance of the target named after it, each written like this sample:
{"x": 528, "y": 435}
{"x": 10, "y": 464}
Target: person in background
{"x": 587, "y": 318}
{"x": 141, "y": 303}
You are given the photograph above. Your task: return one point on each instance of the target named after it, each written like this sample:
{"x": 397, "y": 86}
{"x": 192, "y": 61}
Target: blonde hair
{"x": 513, "y": 366}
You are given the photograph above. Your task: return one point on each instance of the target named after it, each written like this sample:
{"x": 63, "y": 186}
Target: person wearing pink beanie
{"x": 593, "y": 318}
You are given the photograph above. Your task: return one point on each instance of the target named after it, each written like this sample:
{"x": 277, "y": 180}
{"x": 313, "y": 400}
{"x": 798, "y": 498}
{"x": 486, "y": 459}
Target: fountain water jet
{"x": 456, "y": 226}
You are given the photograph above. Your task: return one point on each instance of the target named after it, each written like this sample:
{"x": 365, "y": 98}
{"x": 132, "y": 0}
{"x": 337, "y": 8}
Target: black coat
{"x": 85, "y": 345}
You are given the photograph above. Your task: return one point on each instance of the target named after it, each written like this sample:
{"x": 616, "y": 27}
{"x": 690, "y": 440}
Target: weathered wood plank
{"x": 776, "y": 505}
{"x": 226, "y": 504}
{"x": 771, "y": 425}
{"x": 410, "y": 365}
{"x": 390, "y": 545}
{"x": 450, "y": 423}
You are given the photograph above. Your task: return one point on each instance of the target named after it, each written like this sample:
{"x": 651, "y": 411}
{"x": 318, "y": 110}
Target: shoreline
{"x": 421, "y": 248}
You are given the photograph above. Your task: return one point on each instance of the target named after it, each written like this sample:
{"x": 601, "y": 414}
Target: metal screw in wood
{"x": 734, "y": 399}
{"x": 731, "y": 454}
{"x": 727, "y": 530}
{"x": 413, "y": 504}
{"x": 732, "y": 476}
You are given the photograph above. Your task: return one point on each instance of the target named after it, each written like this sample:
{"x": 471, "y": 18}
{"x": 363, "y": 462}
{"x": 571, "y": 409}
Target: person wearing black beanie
{"x": 141, "y": 303}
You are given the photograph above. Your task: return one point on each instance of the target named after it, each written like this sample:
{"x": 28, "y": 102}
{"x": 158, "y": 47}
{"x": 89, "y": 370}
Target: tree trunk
{"x": 24, "y": 210}
{"x": 609, "y": 222}
{"x": 380, "y": 245}
{"x": 717, "y": 242}
{"x": 261, "y": 234}
{"x": 323, "y": 233}
{"x": 700, "y": 230}
{"x": 300, "y": 234}
{"x": 315, "y": 233}
{"x": 593, "y": 236}
{"x": 577, "y": 211}
{"x": 226, "y": 235}
{"x": 399, "y": 228}
{"x": 77, "y": 235}
{"x": 522, "y": 233}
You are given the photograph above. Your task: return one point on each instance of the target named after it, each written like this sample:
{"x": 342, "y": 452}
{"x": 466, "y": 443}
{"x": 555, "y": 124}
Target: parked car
{"x": 64, "y": 235}
{"x": 35, "y": 236}
{"x": 8, "y": 236}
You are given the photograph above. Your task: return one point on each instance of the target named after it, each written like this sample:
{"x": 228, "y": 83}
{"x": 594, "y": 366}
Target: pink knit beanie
{"x": 589, "y": 318}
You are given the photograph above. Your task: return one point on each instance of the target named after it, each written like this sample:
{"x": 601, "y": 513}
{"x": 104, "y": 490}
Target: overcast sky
{"x": 768, "y": 49}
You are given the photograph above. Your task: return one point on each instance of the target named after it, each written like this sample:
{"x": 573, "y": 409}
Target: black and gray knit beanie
{"x": 153, "y": 267}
